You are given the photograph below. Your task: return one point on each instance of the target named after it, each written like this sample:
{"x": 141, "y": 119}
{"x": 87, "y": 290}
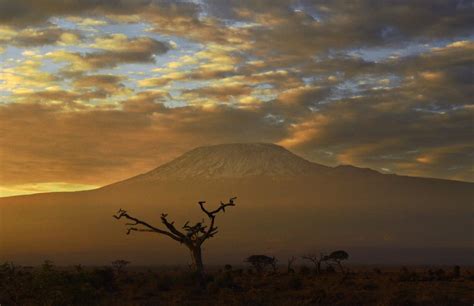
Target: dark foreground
{"x": 120, "y": 285}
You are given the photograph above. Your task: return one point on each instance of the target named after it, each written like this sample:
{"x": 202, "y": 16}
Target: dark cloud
{"x": 288, "y": 30}
{"x": 27, "y": 12}
{"x": 101, "y": 80}
{"x": 391, "y": 129}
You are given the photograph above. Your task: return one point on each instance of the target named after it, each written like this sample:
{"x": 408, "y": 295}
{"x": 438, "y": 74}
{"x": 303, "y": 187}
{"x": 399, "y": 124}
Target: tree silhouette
{"x": 317, "y": 260}
{"x": 338, "y": 257}
{"x": 260, "y": 262}
{"x": 192, "y": 236}
{"x": 290, "y": 262}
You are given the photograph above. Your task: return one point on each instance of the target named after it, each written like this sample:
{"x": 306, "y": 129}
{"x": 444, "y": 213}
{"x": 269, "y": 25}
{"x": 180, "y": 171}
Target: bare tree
{"x": 317, "y": 260}
{"x": 289, "y": 268}
{"x": 192, "y": 236}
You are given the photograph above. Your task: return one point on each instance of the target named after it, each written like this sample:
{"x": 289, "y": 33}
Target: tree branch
{"x": 212, "y": 216}
{"x": 148, "y": 228}
{"x": 171, "y": 228}
{"x": 195, "y": 234}
{"x": 221, "y": 207}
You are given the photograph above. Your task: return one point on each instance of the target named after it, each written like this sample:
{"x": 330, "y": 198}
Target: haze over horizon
{"x": 378, "y": 218}
{"x": 94, "y": 92}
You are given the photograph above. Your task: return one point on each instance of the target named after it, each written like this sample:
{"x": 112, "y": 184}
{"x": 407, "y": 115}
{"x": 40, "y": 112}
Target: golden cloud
{"x": 115, "y": 49}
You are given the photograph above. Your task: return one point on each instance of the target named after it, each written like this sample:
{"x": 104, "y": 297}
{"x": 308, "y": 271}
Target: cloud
{"x": 113, "y": 50}
{"x": 109, "y": 84}
{"x": 356, "y": 131}
{"x": 337, "y": 24}
{"x": 101, "y": 145}
{"x": 382, "y": 84}
{"x": 215, "y": 61}
{"x": 27, "y": 12}
{"x": 42, "y": 187}
{"x": 27, "y": 76}
{"x": 36, "y": 37}
{"x": 87, "y": 22}
{"x": 219, "y": 92}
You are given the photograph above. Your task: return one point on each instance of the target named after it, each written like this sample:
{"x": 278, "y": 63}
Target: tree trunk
{"x": 196, "y": 259}
{"x": 341, "y": 267}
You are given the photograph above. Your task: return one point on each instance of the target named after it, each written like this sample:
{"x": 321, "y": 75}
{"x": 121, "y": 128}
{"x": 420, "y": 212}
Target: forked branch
{"x": 212, "y": 216}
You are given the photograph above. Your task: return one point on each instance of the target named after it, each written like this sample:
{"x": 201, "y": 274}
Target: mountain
{"x": 286, "y": 206}
{"x": 232, "y": 161}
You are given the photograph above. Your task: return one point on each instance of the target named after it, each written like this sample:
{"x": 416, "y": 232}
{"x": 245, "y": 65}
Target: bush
{"x": 104, "y": 278}
{"x": 304, "y": 270}
{"x": 402, "y": 298}
{"x": 295, "y": 282}
{"x": 440, "y": 274}
{"x": 164, "y": 282}
{"x": 261, "y": 262}
{"x": 406, "y": 276}
{"x": 456, "y": 271}
{"x": 370, "y": 286}
{"x": 330, "y": 269}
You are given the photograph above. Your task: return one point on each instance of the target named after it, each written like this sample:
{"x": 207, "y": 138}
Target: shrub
{"x": 330, "y": 269}
{"x": 224, "y": 280}
{"x": 261, "y": 262}
{"x": 402, "y": 298}
{"x": 304, "y": 270}
{"x": 104, "y": 278}
{"x": 164, "y": 282}
{"x": 456, "y": 271}
{"x": 295, "y": 282}
{"x": 406, "y": 276}
{"x": 119, "y": 265}
{"x": 370, "y": 286}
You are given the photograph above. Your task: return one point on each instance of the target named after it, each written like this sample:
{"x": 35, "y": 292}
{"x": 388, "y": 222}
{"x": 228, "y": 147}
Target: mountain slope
{"x": 234, "y": 161}
{"x": 286, "y": 206}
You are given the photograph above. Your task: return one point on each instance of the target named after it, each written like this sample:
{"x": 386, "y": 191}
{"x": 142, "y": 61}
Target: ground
{"x": 120, "y": 284}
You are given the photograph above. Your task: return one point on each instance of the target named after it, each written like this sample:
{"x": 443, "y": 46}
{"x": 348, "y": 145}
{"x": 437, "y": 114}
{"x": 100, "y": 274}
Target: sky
{"x": 93, "y": 92}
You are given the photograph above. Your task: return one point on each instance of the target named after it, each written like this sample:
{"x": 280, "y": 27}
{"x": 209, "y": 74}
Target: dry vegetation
{"x": 119, "y": 284}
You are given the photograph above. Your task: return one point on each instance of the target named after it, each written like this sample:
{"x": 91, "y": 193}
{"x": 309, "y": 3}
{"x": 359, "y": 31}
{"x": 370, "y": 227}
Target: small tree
{"x": 289, "y": 268}
{"x": 260, "y": 262}
{"x": 119, "y": 265}
{"x": 338, "y": 257}
{"x": 192, "y": 237}
{"x": 317, "y": 260}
